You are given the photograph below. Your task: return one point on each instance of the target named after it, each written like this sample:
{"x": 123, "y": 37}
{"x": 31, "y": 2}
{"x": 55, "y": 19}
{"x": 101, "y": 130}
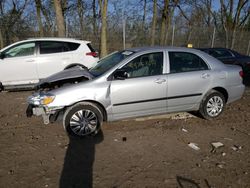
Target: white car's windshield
{"x": 109, "y": 61}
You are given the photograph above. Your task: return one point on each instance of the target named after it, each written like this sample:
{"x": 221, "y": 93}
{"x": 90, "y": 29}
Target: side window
{"x": 223, "y": 53}
{"x": 50, "y": 47}
{"x": 20, "y": 50}
{"x": 145, "y": 65}
{"x": 185, "y": 62}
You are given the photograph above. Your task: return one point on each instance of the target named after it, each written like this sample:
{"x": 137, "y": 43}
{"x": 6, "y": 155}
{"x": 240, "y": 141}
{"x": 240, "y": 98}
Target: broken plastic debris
{"x": 236, "y": 148}
{"x": 184, "y": 130}
{"x": 217, "y": 144}
{"x": 223, "y": 154}
{"x": 219, "y": 165}
{"x": 193, "y": 146}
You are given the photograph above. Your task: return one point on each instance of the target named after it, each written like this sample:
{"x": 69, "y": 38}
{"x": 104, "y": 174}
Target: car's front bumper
{"x": 45, "y": 112}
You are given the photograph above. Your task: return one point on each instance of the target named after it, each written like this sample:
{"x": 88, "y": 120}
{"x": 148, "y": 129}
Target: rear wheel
{"x": 83, "y": 119}
{"x": 212, "y": 105}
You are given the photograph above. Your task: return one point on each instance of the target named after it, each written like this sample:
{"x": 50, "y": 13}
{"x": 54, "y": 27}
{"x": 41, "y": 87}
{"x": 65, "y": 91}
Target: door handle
{"x": 205, "y": 75}
{"x": 159, "y": 81}
{"x": 30, "y": 60}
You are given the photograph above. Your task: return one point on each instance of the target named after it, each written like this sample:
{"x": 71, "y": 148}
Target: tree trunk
{"x": 94, "y": 18}
{"x": 80, "y": 14}
{"x": 48, "y": 22}
{"x": 1, "y": 39}
{"x": 144, "y": 14}
{"x": 59, "y": 18}
{"x": 164, "y": 22}
{"x": 154, "y": 24}
{"x": 39, "y": 18}
{"x": 103, "y": 7}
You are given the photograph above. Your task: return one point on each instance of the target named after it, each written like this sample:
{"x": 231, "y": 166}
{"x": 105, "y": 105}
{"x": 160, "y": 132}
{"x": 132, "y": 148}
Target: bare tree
{"x": 231, "y": 19}
{"x": 59, "y": 18}
{"x": 94, "y": 17}
{"x": 39, "y": 18}
{"x": 103, "y": 7}
{"x": 164, "y": 19}
{"x": 80, "y": 10}
{"x": 154, "y": 20}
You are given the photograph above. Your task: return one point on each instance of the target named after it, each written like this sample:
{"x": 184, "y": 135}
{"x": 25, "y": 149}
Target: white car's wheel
{"x": 83, "y": 119}
{"x": 1, "y": 87}
{"x": 212, "y": 105}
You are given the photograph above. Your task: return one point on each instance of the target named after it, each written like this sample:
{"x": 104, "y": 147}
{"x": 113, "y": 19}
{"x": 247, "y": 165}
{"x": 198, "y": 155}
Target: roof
{"x": 47, "y": 39}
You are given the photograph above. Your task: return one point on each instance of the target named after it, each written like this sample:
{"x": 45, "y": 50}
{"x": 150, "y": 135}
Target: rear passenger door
{"x": 188, "y": 79}
{"x": 54, "y": 56}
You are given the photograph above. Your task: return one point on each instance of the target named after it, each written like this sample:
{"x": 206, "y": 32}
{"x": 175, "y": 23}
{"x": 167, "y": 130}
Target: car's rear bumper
{"x": 235, "y": 92}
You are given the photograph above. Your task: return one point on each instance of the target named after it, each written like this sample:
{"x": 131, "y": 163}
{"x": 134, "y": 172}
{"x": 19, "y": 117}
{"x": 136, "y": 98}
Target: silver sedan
{"x": 139, "y": 82}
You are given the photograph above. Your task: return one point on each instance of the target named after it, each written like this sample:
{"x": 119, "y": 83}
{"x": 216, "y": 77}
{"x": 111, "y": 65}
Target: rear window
{"x": 91, "y": 48}
{"x": 49, "y": 47}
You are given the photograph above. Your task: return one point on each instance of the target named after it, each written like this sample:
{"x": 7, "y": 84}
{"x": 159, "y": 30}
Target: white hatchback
{"x": 24, "y": 63}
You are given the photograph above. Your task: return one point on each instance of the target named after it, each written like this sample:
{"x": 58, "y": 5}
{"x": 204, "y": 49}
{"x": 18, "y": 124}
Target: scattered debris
{"x": 198, "y": 165}
{"x": 193, "y": 146}
{"x": 215, "y": 146}
{"x": 228, "y": 139}
{"x": 223, "y": 154}
{"x": 219, "y": 165}
{"x": 181, "y": 116}
{"x": 184, "y": 130}
{"x": 11, "y": 172}
{"x": 236, "y": 148}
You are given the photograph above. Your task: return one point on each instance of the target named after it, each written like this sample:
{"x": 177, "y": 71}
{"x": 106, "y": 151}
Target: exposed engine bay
{"x": 66, "y": 77}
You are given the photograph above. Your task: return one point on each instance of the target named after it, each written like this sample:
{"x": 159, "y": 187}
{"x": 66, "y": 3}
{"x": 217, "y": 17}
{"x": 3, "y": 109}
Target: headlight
{"x": 47, "y": 99}
{"x": 41, "y": 99}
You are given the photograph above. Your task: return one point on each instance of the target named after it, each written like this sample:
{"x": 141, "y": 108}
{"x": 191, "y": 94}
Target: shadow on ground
{"x": 78, "y": 163}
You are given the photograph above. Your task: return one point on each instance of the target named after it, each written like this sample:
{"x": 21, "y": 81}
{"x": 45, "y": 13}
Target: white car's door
{"x": 18, "y": 65}
{"x": 144, "y": 91}
{"x": 53, "y": 56}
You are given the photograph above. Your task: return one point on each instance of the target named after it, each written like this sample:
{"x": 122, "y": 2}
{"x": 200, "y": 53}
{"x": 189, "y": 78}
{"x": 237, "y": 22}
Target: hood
{"x": 67, "y": 76}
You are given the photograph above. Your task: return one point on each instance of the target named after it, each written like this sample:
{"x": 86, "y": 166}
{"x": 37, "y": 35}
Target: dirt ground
{"x": 146, "y": 152}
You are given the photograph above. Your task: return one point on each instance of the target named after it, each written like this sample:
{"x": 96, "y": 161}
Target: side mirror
{"x": 120, "y": 74}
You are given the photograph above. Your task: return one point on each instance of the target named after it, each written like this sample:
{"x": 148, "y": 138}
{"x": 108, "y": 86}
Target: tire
{"x": 212, "y": 105}
{"x": 1, "y": 87}
{"x": 83, "y": 119}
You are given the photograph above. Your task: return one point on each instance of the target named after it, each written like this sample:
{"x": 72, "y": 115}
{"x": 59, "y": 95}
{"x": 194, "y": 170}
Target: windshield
{"x": 109, "y": 61}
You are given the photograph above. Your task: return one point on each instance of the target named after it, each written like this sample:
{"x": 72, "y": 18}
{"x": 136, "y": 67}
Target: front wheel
{"x": 83, "y": 119}
{"x": 212, "y": 105}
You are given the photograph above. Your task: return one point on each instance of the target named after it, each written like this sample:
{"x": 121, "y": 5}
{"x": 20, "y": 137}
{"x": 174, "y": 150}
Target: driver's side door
{"x": 144, "y": 91}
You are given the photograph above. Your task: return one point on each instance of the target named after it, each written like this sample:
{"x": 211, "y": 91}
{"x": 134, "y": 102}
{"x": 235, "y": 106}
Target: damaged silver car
{"x": 137, "y": 82}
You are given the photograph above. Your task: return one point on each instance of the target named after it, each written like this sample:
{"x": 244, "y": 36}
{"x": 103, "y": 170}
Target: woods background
{"x": 115, "y": 24}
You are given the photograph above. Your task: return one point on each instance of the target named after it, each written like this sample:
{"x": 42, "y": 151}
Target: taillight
{"x": 93, "y": 54}
{"x": 241, "y": 74}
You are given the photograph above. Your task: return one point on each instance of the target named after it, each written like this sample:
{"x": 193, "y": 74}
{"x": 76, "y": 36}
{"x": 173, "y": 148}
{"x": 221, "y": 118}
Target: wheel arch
{"x": 223, "y": 91}
{"x": 99, "y": 105}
